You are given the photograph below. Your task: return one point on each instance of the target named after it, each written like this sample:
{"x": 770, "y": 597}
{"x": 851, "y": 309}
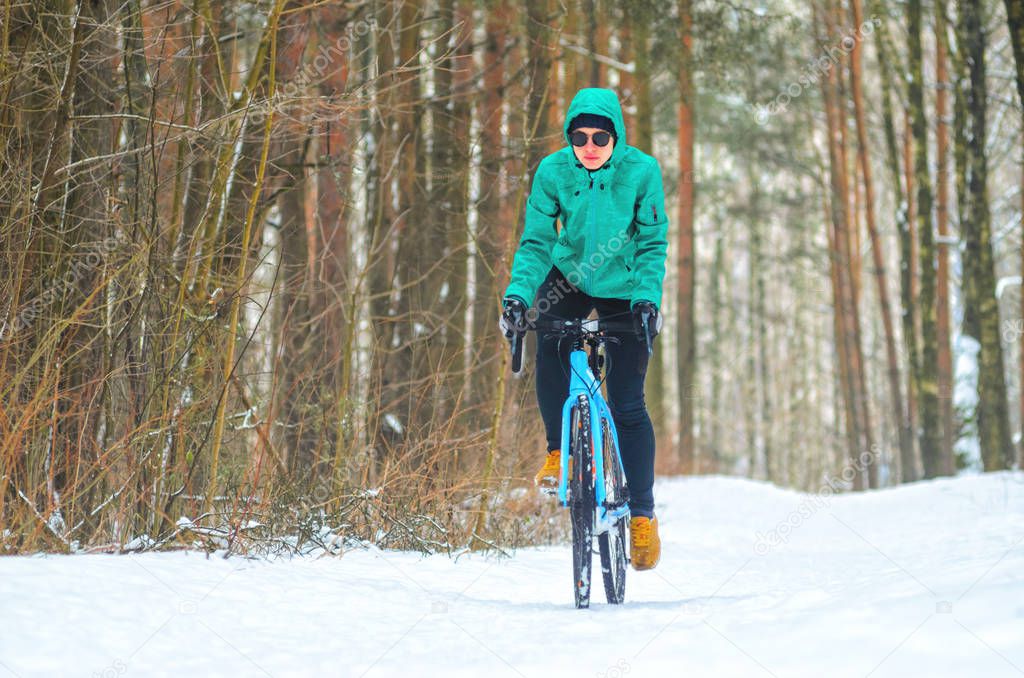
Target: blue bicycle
{"x": 592, "y": 483}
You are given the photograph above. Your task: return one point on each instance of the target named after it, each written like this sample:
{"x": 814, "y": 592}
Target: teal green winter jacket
{"x": 613, "y": 238}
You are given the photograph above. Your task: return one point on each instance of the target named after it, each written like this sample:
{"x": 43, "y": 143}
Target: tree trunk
{"x": 297, "y": 355}
{"x": 1015, "y": 20}
{"x": 491, "y": 231}
{"x": 757, "y": 355}
{"x": 685, "y": 251}
{"x": 913, "y": 328}
{"x": 849, "y": 343}
{"x": 379, "y": 221}
{"x": 942, "y": 315}
{"x": 540, "y": 51}
{"x": 453, "y": 299}
{"x": 901, "y": 200}
{"x": 627, "y": 80}
{"x": 927, "y": 379}
{"x": 576, "y": 73}
{"x": 981, "y": 309}
{"x": 556, "y": 105}
{"x": 866, "y": 447}
{"x": 718, "y": 306}
{"x": 878, "y": 252}
{"x": 333, "y": 178}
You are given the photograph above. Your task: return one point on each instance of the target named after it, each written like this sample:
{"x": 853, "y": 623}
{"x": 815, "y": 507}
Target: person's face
{"x": 593, "y": 156}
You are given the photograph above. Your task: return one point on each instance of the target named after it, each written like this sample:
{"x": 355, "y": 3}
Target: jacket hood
{"x": 599, "y": 101}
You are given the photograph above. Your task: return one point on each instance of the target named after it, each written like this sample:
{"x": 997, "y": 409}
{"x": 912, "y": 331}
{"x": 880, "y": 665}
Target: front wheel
{"x": 581, "y": 501}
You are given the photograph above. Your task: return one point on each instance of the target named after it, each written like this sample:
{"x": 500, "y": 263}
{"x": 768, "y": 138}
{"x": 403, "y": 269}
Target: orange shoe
{"x": 547, "y": 477}
{"x": 644, "y": 543}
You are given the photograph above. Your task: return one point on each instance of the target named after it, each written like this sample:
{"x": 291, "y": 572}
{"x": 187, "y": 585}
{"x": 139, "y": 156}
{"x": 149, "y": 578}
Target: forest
{"x": 253, "y": 252}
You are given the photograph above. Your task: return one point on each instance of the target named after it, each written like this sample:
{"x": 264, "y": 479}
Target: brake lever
{"x": 644, "y": 317}
{"x": 516, "y": 341}
{"x": 516, "y": 345}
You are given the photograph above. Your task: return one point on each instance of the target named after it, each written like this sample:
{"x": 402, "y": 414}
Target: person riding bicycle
{"x": 609, "y": 254}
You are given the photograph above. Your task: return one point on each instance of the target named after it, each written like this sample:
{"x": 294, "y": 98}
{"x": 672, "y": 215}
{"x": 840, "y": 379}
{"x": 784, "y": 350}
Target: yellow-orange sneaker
{"x": 644, "y": 543}
{"x": 547, "y": 477}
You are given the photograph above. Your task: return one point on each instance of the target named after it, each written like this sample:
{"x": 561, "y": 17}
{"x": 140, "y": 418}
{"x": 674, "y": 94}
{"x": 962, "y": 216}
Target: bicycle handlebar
{"x": 582, "y": 328}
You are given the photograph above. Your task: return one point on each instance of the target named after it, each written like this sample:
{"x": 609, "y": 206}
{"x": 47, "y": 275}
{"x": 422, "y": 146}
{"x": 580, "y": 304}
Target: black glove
{"x": 654, "y": 320}
{"x": 513, "y": 318}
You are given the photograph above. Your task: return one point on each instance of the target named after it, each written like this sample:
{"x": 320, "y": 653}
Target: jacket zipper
{"x": 591, "y": 239}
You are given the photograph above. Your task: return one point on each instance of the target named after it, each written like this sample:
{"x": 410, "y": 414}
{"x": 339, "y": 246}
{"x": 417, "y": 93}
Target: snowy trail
{"x": 924, "y": 579}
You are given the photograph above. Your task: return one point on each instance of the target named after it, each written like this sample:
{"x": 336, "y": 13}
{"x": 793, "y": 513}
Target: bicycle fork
{"x": 584, "y": 392}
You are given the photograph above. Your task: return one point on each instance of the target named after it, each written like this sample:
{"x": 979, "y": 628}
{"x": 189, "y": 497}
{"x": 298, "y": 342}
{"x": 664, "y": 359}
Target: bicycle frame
{"x": 582, "y": 382}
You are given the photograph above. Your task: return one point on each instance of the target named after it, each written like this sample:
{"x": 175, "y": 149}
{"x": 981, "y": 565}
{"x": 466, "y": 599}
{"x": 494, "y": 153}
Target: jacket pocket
{"x": 629, "y": 255}
{"x": 563, "y": 235}
{"x": 649, "y": 209}
{"x": 647, "y": 212}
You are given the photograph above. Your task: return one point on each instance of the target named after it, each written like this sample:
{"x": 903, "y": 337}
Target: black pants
{"x": 625, "y": 382}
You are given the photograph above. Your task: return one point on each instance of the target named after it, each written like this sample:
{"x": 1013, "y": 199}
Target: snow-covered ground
{"x": 925, "y": 579}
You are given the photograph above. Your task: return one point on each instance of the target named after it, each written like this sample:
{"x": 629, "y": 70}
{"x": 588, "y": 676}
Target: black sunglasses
{"x": 580, "y": 138}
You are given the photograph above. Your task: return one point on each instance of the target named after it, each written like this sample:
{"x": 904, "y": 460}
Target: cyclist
{"x": 608, "y": 255}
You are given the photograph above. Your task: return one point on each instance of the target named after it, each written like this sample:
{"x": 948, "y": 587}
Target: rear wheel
{"x": 612, "y": 544}
{"x": 581, "y": 501}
